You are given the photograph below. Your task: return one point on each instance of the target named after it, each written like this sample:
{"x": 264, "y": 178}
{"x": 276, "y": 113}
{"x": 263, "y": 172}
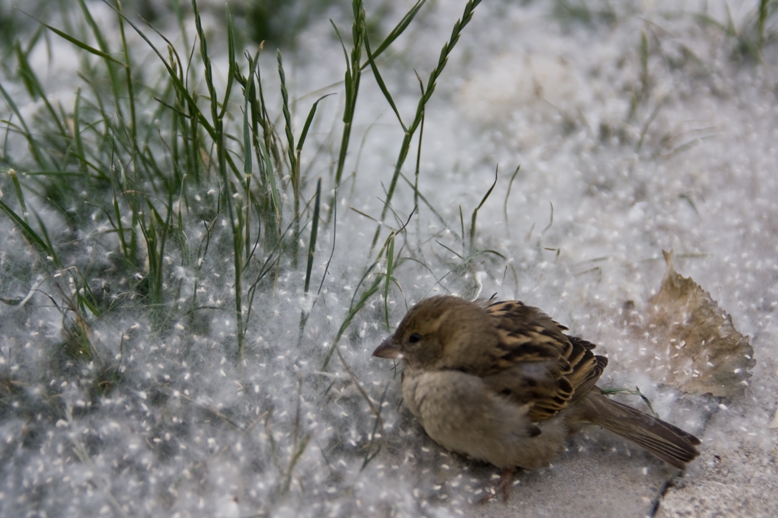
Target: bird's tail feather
{"x": 664, "y": 440}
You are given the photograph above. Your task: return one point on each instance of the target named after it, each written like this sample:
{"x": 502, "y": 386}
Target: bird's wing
{"x": 535, "y": 362}
{"x": 587, "y": 367}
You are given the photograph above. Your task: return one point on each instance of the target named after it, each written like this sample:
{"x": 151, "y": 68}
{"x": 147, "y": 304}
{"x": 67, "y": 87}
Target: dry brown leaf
{"x": 706, "y": 354}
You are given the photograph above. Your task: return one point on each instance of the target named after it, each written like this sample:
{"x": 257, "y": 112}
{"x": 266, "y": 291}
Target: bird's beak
{"x": 388, "y": 349}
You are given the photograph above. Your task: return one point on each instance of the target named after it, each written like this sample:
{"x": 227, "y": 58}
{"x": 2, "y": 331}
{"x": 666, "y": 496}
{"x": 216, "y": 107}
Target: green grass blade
{"x": 232, "y": 65}
{"x": 314, "y": 235}
{"x": 19, "y": 192}
{"x": 389, "y": 268}
{"x": 288, "y": 126}
{"x": 80, "y": 44}
{"x": 475, "y": 212}
{"x": 380, "y": 81}
{"x": 25, "y": 130}
{"x": 32, "y": 237}
{"x": 507, "y": 195}
{"x": 351, "y": 82}
{"x": 397, "y": 31}
{"x": 309, "y": 121}
{"x": 49, "y": 246}
{"x": 352, "y": 312}
{"x": 429, "y": 90}
{"x": 429, "y": 205}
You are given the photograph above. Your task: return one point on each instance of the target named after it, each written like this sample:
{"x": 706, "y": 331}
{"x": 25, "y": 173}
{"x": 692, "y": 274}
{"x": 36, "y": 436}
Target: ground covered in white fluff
{"x": 638, "y": 126}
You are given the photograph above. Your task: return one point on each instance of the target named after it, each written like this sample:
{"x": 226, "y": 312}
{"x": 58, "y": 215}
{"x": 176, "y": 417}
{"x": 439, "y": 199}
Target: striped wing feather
{"x": 537, "y": 363}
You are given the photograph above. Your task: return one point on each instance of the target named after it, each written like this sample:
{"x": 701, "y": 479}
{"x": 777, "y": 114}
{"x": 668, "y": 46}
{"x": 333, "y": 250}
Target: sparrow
{"x": 501, "y": 382}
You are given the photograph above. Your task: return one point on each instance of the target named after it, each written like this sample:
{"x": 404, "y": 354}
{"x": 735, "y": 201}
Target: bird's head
{"x": 439, "y": 333}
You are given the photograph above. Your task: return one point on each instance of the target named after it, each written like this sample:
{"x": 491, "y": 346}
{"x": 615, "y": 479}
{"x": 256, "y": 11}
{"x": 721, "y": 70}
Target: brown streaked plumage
{"x": 503, "y": 383}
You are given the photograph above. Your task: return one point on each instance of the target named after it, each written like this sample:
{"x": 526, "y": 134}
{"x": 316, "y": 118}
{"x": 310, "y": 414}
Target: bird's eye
{"x": 415, "y": 337}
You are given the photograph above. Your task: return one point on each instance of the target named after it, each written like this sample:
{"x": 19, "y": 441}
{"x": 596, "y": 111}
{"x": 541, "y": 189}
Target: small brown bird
{"x": 504, "y": 384}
